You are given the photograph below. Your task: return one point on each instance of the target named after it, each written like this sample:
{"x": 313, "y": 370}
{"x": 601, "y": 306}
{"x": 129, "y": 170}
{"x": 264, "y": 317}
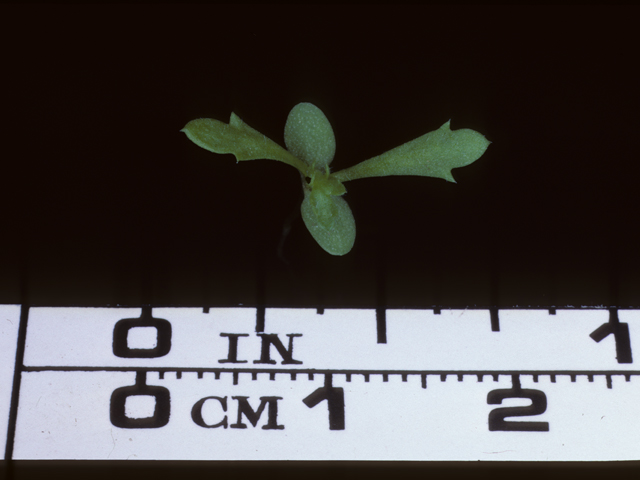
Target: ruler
{"x": 319, "y": 384}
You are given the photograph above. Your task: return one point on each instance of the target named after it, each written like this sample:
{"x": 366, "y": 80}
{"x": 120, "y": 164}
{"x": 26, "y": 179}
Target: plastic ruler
{"x": 308, "y": 384}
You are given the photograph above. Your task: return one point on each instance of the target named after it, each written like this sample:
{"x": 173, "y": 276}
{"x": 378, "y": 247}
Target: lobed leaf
{"x": 434, "y": 154}
{"x": 240, "y": 139}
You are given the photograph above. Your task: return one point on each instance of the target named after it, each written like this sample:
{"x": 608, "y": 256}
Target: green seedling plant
{"x": 311, "y": 146}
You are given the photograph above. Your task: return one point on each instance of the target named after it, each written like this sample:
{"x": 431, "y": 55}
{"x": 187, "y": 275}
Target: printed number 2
{"x": 497, "y": 416}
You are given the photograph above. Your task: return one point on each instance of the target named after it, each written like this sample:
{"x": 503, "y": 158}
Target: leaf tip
{"x": 448, "y": 176}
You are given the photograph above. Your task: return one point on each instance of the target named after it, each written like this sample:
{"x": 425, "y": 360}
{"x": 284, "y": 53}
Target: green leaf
{"x": 431, "y": 155}
{"x": 240, "y": 139}
{"x": 330, "y": 221}
{"x": 326, "y": 183}
{"x": 324, "y": 209}
{"x": 308, "y": 135}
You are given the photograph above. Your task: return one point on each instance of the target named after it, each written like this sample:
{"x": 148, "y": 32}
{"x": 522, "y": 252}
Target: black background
{"x": 105, "y": 202}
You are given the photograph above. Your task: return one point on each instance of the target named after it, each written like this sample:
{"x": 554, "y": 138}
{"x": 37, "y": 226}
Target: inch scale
{"x": 306, "y": 384}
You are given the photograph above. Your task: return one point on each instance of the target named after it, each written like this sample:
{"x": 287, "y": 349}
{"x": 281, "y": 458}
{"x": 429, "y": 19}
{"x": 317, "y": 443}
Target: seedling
{"x": 311, "y": 146}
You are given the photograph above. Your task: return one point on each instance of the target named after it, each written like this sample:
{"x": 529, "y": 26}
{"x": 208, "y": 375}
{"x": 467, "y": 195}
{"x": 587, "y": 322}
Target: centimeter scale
{"x": 318, "y": 384}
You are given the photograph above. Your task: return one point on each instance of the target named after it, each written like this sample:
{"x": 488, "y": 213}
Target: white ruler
{"x": 298, "y": 384}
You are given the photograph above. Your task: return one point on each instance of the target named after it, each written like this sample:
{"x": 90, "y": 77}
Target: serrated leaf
{"x": 434, "y": 154}
{"x": 240, "y": 139}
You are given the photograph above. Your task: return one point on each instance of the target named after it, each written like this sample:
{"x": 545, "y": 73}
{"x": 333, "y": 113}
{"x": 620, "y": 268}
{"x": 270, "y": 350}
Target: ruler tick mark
{"x": 260, "y": 314}
{"x": 495, "y": 320}
{"x": 381, "y": 325}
